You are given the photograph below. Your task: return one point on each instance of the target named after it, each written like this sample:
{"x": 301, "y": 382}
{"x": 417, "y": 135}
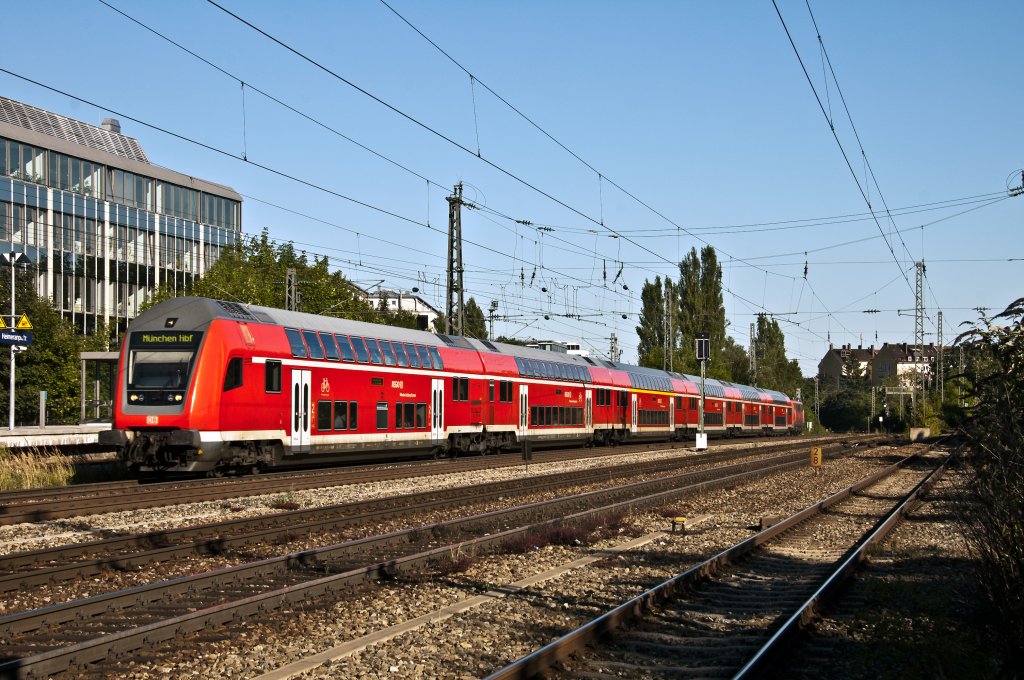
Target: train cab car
{"x": 207, "y": 386}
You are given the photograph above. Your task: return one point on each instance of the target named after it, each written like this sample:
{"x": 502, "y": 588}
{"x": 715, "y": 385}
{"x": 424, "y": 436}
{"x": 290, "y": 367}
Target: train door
{"x": 632, "y": 416}
{"x": 588, "y": 414}
{"x": 672, "y": 414}
{"x": 524, "y": 410}
{"x": 437, "y": 409}
{"x": 300, "y": 411}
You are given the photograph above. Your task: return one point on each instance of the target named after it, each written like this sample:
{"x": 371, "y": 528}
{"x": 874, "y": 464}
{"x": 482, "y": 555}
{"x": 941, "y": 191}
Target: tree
{"x": 476, "y": 323}
{"x": 735, "y": 361}
{"x": 254, "y": 271}
{"x": 651, "y": 331}
{"x": 700, "y": 309}
{"x": 846, "y": 410}
{"x": 774, "y": 370}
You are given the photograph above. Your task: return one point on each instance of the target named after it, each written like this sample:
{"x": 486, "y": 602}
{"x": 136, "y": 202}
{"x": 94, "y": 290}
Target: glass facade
{"x": 101, "y": 238}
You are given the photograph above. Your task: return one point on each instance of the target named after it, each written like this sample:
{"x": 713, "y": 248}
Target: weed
{"x": 34, "y": 469}
{"x": 284, "y": 503}
{"x": 456, "y": 562}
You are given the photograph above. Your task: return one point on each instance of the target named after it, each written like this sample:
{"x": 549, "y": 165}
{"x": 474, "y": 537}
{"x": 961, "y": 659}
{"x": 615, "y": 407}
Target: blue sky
{"x": 699, "y": 110}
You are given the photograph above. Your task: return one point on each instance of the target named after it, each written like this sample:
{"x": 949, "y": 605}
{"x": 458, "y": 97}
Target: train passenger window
{"x": 560, "y": 368}
{"x": 542, "y": 369}
{"x": 414, "y": 358}
{"x": 323, "y": 416}
{"x": 233, "y": 375}
{"x": 519, "y": 365}
{"x": 424, "y": 356}
{"x": 346, "y": 348}
{"x": 435, "y": 356}
{"x": 490, "y": 390}
{"x": 330, "y": 347}
{"x": 295, "y": 341}
{"x": 389, "y": 353}
{"x": 341, "y": 415}
{"x": 375, "y": 355}
{"x": 460, "y": 389}
{"x": 382, "y": 415}
{"x": 398, "y": 415}
{"x": 272, "y": 377}
{"x": 409, "y": 419}
{"x": 353, "y": 415}
{"x": 403, "y": 360}
{"x": 421, "y": 415}
{"x": 362, "y": 354}
{"x": 316, "y": 350}
{"x": 533, "y": 415}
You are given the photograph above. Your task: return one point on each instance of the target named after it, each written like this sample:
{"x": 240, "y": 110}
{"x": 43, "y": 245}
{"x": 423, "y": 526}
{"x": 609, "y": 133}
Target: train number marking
{"x": 152, "y": 420}
{"x": 398, "y": 384}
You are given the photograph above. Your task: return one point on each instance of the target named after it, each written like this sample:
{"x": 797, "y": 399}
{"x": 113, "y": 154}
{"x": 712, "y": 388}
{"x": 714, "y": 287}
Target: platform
{"x": 52, "y": 436}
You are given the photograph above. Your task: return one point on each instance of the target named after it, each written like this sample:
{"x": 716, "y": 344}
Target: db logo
{"x": 325, "y": 386}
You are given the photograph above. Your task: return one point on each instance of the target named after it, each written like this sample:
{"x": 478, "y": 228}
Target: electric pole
{"x": 491, "y": 311}
{"x": 753, "y": 354}
{"x": 942, "y": 365}
{"x": 455, "y": 319}
{"x": 613, "y": 349}
{"x": 291, "y": 290}
{"x": 919, "y": 329}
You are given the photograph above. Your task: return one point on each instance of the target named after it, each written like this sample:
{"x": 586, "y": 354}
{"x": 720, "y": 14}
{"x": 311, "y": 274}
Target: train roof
{"x": 198, "y": 313}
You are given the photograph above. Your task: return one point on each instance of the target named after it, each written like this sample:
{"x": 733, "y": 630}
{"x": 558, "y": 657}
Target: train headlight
{"x": 135, "y": 397}
{"x": 177, "y": 397}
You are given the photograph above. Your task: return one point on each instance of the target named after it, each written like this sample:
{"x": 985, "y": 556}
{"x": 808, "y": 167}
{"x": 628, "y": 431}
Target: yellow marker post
{"x": 815, "y": 456}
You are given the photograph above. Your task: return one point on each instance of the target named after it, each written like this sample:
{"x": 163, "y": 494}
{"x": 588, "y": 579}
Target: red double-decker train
{"x": 207, "y": 386}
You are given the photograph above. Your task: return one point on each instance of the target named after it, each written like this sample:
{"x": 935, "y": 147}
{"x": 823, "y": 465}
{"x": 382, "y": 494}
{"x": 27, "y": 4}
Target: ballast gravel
{"x": 481, "y": 640}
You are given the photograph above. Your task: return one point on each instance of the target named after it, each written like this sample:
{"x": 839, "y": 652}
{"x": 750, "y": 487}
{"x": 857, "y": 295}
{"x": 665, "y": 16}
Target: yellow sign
{"x": 3, "y": 324}
{"x": 815, "y": 456}
{"x": 23, "y": 323}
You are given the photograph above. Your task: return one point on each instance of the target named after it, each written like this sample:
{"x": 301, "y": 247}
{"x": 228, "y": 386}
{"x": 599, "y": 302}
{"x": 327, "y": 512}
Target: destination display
{"x": 165, "y": 339}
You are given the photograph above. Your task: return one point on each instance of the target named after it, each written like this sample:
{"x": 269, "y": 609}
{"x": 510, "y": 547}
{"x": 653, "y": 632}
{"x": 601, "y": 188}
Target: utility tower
{"x": 291, "y": 290}
{"x": 942, "y": 366}
{"x": 613, "y": 349}
{"x": 919, "y": 327}
{"x": 454, "y": 314}
{"x": 752, "y": 350}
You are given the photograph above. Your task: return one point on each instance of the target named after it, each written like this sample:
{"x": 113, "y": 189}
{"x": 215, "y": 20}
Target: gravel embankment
{"x": 499, "y": 630}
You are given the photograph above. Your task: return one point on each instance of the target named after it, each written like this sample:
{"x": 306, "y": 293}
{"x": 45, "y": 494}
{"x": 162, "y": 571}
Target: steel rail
{"x": 541, "y": 660}
{"x": 79, "y": 655}
{"x": 217, "y": 537}
{"x": 48, "y": 505}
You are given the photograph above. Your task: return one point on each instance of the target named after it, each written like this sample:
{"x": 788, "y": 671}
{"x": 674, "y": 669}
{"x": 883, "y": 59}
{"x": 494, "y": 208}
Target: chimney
{"x": 111, "y": 125}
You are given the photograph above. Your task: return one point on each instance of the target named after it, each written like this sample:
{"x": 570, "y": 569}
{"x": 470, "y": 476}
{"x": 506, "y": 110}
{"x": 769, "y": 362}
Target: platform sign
{"x": 9, "y": 337}
{"x": 815, "y": 456}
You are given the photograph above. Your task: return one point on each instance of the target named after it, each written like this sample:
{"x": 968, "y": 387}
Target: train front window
{"x": 159, "y": 369}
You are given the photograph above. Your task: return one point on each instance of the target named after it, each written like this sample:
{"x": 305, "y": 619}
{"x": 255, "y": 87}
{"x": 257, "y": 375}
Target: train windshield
{"x": 161, "y": 361}
{"x": 159, "y": 369}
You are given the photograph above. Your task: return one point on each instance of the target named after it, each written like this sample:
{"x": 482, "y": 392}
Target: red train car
{"x": 207, "y": 386}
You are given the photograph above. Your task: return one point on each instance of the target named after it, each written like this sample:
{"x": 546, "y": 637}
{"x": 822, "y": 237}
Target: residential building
{"x": 833, "y": 365}
{"x": 904, "y": 361}
{"x": 404, "y": 300}
{"x": 101, "y": 225}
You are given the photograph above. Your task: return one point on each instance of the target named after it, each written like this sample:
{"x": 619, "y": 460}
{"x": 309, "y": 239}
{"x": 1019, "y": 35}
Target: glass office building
{"x": 102, "y": 227}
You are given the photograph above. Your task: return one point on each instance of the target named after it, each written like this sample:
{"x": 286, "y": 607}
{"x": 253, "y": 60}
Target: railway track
{"x": 103, "y": 627}
{"x": 75, "y": 501}
{"x": 36, "y": 568}
{"x": 731, "y": 615}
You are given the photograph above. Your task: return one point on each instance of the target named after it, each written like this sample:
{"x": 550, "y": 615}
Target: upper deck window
{"x": 316, "y": 350}
{"x": 296, "y": 343}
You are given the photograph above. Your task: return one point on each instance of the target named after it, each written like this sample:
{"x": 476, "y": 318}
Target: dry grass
{"x": 34, "y": 469}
